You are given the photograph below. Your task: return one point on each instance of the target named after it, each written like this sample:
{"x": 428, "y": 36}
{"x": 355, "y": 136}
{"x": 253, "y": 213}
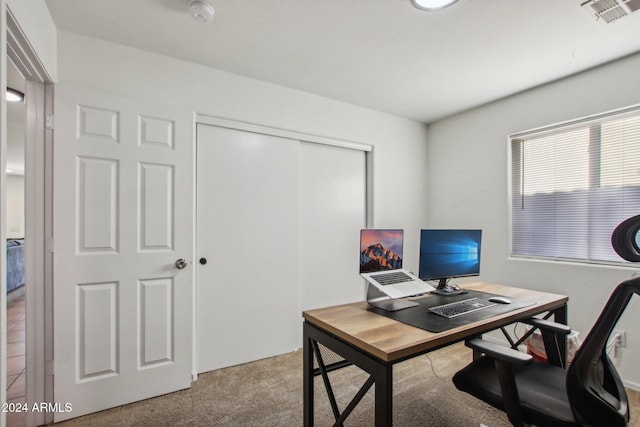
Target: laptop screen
{"x": 380, "y": 250}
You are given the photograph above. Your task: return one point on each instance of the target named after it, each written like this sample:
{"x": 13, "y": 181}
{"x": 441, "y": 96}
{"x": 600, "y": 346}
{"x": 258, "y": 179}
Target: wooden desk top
{"x": 390, "y": 340}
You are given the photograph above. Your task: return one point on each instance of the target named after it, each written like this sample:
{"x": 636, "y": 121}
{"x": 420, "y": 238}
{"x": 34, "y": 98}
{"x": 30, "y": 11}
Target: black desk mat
{"x": 420, "y": 316}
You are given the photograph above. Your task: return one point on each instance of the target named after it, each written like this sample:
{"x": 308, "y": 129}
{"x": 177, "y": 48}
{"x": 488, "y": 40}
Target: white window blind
{"x": 572, "y": 184}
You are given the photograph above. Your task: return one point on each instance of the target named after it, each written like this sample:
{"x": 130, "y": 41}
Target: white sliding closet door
{"x": 278, "y": 224}
{"x": 247, "y": 187}
{"x": 331, "y": 214}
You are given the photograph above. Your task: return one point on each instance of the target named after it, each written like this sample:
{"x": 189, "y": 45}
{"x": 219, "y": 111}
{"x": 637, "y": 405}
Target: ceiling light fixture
{"x": 432, "y": 5}
{"x": 14, "y": 95}
{"x": 201, "y": 10}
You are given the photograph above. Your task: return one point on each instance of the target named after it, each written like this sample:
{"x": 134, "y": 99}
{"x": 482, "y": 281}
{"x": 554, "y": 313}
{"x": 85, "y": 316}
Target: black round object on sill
{"x": 624, "y": 241}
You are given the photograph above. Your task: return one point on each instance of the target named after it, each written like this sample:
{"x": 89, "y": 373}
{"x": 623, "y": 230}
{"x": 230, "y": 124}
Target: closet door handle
{"x": 181, "y": 263}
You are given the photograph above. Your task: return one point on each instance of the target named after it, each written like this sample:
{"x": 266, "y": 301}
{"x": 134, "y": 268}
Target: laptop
{"x": 381, "y": 264}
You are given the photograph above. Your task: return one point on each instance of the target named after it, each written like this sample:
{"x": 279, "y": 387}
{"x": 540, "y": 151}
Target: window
{"x": 572, "y": 184}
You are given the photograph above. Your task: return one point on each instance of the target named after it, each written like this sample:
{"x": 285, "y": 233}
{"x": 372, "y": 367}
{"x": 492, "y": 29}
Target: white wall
{"x": 468, "y": 175}
{"x": 15, "y": 206}
{"x": 15, "y": 180}
{"x": 399, "y": 145}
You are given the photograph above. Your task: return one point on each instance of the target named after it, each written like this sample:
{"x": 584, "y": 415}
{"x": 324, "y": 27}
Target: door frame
{"x": 283, "y": 133}
{"x": 38, "y": 215}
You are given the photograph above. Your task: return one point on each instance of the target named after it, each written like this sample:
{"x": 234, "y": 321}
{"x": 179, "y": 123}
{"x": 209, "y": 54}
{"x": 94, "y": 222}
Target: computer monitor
{"x": 445, "y": 254}
{"x": 380, "y": 250}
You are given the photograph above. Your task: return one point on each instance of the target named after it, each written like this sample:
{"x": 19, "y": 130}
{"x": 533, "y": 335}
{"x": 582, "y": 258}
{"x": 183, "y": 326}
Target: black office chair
{"x": 588, "y": 393}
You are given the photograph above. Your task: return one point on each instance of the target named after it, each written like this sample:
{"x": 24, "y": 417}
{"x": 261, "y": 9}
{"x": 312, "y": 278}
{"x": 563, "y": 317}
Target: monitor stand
{"x": 444, "y": 288}
{"x": 380, "y": 300}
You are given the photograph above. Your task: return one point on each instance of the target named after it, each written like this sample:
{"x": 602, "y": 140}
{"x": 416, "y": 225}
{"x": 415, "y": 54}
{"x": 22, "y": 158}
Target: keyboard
{"x": 391, "y": 278}
{"x": 459, "y": 308}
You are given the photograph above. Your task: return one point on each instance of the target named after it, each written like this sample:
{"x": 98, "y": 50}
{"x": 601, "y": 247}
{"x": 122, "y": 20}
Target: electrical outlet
{"x": 618, "y": 340}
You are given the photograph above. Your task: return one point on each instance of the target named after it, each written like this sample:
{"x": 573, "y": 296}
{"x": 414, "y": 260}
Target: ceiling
{"x": 381, "y": 54}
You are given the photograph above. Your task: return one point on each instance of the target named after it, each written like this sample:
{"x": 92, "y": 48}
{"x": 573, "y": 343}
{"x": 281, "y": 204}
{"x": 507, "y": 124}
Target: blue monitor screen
{"x": 449, "y": 253}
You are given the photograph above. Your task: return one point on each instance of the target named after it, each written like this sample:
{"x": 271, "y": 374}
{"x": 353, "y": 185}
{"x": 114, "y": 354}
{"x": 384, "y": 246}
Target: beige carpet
{"x": 269, "y": 393}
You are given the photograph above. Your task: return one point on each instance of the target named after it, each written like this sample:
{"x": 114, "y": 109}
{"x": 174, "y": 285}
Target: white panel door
{"x": 247, "y": 220}
{"x": 123, "y": 215}
{"x": 332, "y": 211}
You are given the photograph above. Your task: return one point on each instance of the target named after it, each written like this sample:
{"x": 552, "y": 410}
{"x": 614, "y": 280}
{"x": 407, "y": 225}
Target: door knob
{"x": 181, "y": 263}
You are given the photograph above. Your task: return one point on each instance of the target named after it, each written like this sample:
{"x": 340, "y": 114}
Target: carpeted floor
{"x": 269, "y": 393}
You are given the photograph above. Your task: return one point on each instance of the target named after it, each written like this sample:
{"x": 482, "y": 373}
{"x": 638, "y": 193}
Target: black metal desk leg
{"x": 560, "y": 315}
{"x": 381, "y": 375}
{"x": 308, "y": 378}
{"x": 384, "y": 395}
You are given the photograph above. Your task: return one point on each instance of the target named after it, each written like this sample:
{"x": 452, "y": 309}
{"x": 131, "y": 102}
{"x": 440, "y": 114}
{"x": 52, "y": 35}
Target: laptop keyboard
{"x": 391, "y": 278}
{"x": 461, "y": 307}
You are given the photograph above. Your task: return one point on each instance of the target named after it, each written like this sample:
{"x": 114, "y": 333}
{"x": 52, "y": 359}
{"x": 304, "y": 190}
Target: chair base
{"x": 541, "y": 388}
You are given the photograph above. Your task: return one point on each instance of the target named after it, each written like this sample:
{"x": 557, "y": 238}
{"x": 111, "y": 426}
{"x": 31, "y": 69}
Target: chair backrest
{"x": 594, "y": 389}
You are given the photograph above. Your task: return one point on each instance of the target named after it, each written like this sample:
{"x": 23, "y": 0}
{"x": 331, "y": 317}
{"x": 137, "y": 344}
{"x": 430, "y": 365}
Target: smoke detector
{"x": 201, "y": 10}
{"x": 609, "y": 11}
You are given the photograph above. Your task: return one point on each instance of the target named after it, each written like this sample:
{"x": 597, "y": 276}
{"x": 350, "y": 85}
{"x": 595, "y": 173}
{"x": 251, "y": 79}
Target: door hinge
{"x": 49, "y": 368}
{"x": 50, "y": 245}
{"x": 48, "y": 122}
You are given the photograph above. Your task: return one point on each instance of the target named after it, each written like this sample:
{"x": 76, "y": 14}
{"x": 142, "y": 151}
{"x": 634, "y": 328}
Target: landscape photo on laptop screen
{"x": 380, "y": 250}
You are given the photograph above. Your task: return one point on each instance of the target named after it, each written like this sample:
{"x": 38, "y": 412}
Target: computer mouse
{"x": 500, "y": 300}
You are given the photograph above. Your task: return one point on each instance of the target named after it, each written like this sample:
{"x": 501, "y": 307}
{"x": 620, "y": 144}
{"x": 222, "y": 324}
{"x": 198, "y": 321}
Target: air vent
{"x": 609, "y": 11}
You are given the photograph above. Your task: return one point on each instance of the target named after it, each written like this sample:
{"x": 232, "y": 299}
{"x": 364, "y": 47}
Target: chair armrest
{"x": 554, "y": 336}
{"x": 504, "y": 359}
{"x": 548, "y": 325}
{"x": 499, "y": 352}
